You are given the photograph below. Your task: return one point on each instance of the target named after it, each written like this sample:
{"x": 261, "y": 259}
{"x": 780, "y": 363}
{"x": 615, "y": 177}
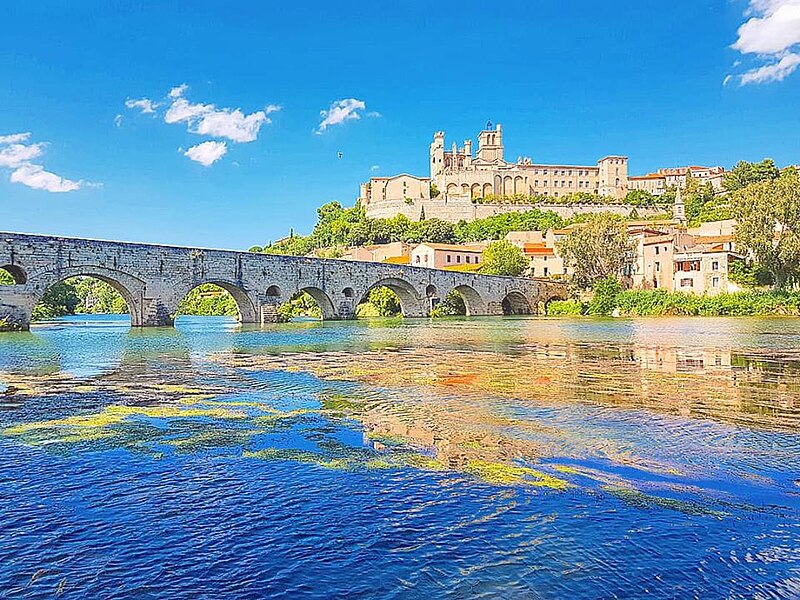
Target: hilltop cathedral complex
{"x": 463, "y": 186}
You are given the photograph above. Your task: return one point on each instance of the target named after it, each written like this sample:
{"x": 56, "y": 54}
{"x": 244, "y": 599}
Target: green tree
{"x": 385, "y": 301}
{"x": 503, "y": 258}
{"x": 6, "y": 278}
{"x": 768, "y": 216}
{"x": 604, "y": 300}
{"x": 453, "y": 305}
{"x": 58, "y": 301}
{"x": 208, "y": 300}
{"x": 746, "y": 173}
{"x": 598, "y": 249}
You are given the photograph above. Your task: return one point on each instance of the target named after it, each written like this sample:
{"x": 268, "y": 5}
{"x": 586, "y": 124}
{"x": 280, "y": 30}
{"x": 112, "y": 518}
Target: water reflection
{"x": 499, "y": 455}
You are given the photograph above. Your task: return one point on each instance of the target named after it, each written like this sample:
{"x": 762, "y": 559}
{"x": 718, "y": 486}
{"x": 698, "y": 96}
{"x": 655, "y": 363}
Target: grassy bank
{"x": 660, "y": 303}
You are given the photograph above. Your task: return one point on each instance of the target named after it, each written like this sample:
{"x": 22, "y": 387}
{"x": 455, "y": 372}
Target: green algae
{"x": 506, "y": 474}
{"x": 641, "y": 500}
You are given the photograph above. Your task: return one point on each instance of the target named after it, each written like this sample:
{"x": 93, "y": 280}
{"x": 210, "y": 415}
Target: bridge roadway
{"x": 154, "y": 278}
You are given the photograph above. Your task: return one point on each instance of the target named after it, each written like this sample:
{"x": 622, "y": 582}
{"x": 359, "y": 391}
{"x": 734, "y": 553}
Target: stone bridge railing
{"x": 153, "y": 279}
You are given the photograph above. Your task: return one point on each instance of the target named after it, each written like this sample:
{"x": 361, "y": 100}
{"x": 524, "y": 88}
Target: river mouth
{"x": 499, "y": 457}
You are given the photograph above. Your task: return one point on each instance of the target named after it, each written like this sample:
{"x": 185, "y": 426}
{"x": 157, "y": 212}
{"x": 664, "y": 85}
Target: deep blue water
{"x": 298, "y": 472}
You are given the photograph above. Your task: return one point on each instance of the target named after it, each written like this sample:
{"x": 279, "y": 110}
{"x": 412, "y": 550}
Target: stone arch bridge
{"x": 153, "y": 279}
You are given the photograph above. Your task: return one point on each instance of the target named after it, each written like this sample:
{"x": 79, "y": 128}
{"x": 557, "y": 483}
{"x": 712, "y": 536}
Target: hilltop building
{"x": 465, "y": 185}
{"x": 675, "y": 177}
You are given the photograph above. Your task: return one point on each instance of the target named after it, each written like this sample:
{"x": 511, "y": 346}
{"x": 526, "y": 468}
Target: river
{"x": 474, "y": 458}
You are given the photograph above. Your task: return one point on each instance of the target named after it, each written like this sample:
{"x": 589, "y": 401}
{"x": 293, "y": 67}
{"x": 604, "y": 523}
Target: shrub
{"x": 565, "y": 308}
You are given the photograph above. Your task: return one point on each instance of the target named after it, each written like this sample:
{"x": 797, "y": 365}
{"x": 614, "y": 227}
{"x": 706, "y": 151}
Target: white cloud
{"x": 145, "y": 105}
{"x": 14, "y": 138}
{"x": 339, "y": 112}
{"x": 17, "y": 154}
{"x": 118, "y": 120}
{"x": 375, "y": 168}
{"x": 772, "y": 34}
{"x": 34, "y": 176}
{"x": 775, "y": 72}
{"x": 207, "y": 153}
{"x": 207, "y": 119}
{"x": 374, "y": 114}
{"x": 178, "y": 90}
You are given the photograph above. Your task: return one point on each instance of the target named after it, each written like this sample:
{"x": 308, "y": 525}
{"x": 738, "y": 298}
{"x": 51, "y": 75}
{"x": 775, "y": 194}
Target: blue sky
{"x": 689, "y": 81}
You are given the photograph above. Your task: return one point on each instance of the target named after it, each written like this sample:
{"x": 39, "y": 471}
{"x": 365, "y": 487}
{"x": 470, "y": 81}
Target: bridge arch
{"x": 411, "y": 301}
{"x": 244, "y": 304}
{"x": 324, "y": 301}
{"x": 473, "y": 301}
{"x": 547, "y": 298}
{"x": 129, "y": 287}
{"x": 515, "y": 303}
{"x": 273, "y": 294}
{"x": 17, "y": 273}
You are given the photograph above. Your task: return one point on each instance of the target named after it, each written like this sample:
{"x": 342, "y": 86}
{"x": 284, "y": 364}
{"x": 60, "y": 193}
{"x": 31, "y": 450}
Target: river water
{"x": 483, "y": 458}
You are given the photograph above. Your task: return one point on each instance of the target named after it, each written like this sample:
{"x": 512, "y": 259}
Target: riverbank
{"x": 661, "y": 303}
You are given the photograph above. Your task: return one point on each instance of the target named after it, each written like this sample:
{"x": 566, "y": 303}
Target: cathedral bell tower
{"x": 490, "y": 144}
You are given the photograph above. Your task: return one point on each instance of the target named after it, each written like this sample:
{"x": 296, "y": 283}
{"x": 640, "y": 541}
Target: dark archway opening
{"x": 12, "y": 275}
{"x": 516, "y": 304}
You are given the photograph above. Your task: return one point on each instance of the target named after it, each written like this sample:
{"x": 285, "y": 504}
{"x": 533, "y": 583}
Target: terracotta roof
{"x": 540, "y": 251}
{"x": 657, "y": 239}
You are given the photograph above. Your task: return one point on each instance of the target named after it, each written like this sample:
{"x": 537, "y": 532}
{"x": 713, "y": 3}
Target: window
{"x": 687, "y": 282}
{"x": 545, "y": 272}
{"x": 656, "y": 250}
{"x": 658, "y": 267}
{"x": 715, "y": 266}
{"x": 426, "y": 257}
{"x": 458, "y": 258}
{"x": 449, "y": 258}
{"x": 715, "y": 282}
{"x": 418, "y": 259}
{"x": 535, "y": 183}
{"x": 468, "y": 258}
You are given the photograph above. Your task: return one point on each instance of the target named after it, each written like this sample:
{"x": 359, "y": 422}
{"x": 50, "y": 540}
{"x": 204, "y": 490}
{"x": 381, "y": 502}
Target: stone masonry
{"x": 154, "y": 278}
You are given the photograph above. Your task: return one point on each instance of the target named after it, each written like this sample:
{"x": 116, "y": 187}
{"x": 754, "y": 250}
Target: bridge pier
{"x": 14, "y": 318}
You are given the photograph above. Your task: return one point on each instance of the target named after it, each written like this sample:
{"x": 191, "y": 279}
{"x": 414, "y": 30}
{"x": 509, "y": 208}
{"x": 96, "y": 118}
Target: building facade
{"x": 461, "y": 179}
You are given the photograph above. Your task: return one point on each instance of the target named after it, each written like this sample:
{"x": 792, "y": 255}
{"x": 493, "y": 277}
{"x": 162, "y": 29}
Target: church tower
{"x": 679, "y": 209}
{"x": 437, "y": 154}
{"x": 490, "y": 144}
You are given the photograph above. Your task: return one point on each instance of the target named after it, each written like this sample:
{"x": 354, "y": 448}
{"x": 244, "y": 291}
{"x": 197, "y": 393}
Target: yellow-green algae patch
{"x": 116, "y": 414}
{"x": 505, "y": 474}
{"x": 640, "y": 499}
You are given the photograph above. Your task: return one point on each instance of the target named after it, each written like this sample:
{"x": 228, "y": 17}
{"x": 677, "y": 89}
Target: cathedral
{"x": 462, "y": 185}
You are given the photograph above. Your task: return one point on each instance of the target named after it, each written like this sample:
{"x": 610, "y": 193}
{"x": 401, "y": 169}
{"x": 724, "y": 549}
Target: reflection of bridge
{"x": 153, "y": 279}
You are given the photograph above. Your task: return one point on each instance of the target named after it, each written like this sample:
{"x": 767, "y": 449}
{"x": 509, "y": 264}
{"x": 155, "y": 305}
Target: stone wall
{"x": 457, "y": 208}
{"x": 153, "y": 279}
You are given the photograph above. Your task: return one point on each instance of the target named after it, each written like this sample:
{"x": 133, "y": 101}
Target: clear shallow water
{"x": 401, "y": 459}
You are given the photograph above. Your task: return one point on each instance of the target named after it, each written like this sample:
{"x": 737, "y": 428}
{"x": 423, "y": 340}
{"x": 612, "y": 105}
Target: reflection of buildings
{"x": 683, "y": 360}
